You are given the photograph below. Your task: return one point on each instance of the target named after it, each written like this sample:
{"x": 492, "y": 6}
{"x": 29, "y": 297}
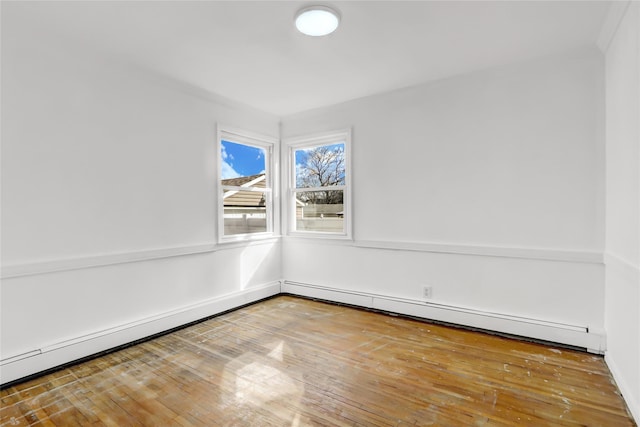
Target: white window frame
{"x": 310, "y": 141}
{"x": 270, "y": 145}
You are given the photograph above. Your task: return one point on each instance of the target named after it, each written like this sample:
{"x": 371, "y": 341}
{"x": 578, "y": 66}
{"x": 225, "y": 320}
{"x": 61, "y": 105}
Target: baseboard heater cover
{"x": 17, "y": 367}
{"x": 566, "y": 334}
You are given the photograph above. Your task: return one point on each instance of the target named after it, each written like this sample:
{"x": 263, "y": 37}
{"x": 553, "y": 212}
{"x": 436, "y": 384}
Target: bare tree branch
{"x": 322, "y": 167}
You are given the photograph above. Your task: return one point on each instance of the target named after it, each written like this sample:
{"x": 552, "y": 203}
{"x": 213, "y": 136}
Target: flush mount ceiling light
{"x": 317, "y": 20}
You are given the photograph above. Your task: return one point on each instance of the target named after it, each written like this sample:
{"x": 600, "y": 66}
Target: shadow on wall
{"x": 256, "y": 264}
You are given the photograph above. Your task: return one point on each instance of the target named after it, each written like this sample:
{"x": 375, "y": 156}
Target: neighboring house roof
{"x": 246, "y": 181}
{"x": 245, "y": 198}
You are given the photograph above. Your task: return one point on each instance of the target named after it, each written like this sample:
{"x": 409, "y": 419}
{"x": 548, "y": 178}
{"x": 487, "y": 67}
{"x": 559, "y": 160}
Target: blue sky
{"x": 241, "y": 160}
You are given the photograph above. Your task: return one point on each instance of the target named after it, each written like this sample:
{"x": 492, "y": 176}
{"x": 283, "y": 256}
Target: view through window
{"x": 320, "y": 186}
{"x": 245, "y": 186}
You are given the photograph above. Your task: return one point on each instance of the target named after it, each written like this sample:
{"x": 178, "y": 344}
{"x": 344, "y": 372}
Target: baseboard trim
{"x": 571, "y": 335}
{"x": 632, "y": 405}
{"x": 30, "y": 363}
{"x": 17, "y": 367}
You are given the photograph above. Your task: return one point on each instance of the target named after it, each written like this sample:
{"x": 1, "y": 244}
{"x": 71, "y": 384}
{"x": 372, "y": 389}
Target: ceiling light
{"x": 317, "y": 20}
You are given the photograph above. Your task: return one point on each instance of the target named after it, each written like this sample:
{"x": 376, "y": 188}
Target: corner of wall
{"x": 616, "y": 12}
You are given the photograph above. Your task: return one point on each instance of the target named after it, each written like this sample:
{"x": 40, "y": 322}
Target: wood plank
{"x": 293, "y": 361}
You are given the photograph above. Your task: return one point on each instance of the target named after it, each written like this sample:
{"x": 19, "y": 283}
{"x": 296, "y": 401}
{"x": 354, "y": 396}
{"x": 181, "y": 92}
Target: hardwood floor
{"x": 293, "y": 362}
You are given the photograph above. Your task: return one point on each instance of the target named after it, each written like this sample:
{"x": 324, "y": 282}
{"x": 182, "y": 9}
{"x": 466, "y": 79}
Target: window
{"x": 319, "y": 193}
{"x": 245, "y": 190}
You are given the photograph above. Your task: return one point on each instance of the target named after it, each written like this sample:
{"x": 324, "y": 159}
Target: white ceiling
{"x": 250, "y": 51}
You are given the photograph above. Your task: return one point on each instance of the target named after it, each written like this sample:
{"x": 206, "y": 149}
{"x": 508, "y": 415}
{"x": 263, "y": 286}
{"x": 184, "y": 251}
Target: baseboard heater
{"x": 537, "y": 329}
{"x": 19, "y": 366}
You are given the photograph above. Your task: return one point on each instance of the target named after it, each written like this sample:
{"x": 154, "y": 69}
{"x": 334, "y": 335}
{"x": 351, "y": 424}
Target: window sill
{"x": 249, "y": 241}
{"x": 320, "y": 237}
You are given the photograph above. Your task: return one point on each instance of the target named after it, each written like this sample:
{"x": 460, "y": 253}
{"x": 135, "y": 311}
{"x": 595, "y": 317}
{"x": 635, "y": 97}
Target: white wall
{"x": 104, "y": 164}
{"x": 622, "y": 311}
{"x": 489, "y": 187}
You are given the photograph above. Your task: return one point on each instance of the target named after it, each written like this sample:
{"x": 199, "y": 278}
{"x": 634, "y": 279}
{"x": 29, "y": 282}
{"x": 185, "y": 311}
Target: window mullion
{"x": 254, "y": 189}
{"x": 327, "y": 188}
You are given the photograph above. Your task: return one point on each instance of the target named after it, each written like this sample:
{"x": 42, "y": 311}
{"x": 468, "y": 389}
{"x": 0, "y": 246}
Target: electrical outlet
{"x": 427, "y": 292}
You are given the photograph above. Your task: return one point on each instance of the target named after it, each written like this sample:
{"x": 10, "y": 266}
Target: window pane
{"x": 320, "y": 211}
{"x": 321, "y": 166}
{"x": 241, "y": 161}
{"x": 243, "y": 166}
{"x": 244, "y": 212}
